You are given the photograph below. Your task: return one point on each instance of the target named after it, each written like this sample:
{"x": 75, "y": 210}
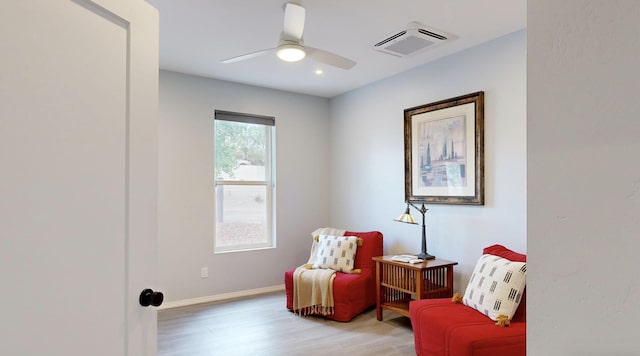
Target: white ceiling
{"x": 195, "y": 35}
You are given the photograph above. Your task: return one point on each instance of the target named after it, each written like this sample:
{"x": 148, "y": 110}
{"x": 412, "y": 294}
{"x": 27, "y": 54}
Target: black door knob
{"x": 149, "y": 297}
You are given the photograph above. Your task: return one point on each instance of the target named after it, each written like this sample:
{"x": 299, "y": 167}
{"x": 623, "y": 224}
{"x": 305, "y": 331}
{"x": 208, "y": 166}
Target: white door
{"x": 78, "y": 170}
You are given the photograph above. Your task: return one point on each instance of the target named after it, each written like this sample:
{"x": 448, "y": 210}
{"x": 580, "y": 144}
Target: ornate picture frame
{"x": 444, "y": 151}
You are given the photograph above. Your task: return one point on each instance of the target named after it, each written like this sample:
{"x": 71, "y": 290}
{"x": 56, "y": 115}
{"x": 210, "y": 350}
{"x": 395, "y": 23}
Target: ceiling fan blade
{"x": 248, "y": 56}
{"x": 329, "y": 58}
{"x": 293, "y": 20}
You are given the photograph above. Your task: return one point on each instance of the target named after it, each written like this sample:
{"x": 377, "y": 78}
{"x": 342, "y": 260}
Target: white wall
{"x": 583, "y": 177}
{"x": 185, "y": 183}
{"x": 367, "y": 157}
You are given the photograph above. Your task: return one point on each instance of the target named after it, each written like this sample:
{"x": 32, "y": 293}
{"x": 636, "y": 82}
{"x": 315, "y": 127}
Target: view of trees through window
{"x": 243, "y": 187}
{"x": 237, "y": 144}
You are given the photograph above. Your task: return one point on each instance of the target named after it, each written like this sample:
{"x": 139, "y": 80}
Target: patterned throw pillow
{"x": 496, "y": 286}
{"x": 336, "y": 252}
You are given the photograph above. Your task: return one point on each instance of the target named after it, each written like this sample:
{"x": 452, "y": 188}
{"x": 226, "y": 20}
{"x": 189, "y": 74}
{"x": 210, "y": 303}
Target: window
{"x": 244, "y": 181}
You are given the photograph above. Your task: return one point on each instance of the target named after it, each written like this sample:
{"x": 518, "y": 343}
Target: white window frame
{"x": 268, "y": 183}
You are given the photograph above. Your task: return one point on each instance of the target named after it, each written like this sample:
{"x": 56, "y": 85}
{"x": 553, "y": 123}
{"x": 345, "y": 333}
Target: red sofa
{"x": 352, "y": 293}
{"x": 441, "y": 327}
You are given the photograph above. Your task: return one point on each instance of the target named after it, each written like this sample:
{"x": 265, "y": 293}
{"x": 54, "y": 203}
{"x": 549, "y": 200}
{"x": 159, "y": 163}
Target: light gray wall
{"x": 186, "y": 184}
{"x": 583, "y": 177}
{"x": 367, "y": 157}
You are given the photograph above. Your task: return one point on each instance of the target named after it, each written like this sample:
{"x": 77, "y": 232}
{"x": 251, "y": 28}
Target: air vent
{"x": 415, "y": 38}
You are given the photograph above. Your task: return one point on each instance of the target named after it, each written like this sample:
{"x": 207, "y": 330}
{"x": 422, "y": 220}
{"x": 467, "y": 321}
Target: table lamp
{"x": 407, "y": 218}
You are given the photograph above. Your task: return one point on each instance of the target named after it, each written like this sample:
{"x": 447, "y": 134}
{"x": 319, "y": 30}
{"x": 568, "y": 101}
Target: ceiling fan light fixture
{"x": 291, "y": 47}
{"x": 290, "y": 52}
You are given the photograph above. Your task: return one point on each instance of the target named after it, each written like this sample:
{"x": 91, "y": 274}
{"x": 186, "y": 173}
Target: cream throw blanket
{"x": 313, "y": 288}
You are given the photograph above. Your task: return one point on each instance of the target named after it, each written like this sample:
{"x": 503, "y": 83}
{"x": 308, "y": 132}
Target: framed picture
{"x": 444, "y": 151}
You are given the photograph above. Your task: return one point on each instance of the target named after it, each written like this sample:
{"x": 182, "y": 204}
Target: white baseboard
{"x": 218, "y": 297}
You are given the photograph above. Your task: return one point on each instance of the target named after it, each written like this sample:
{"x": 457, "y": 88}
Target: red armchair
{"x": 444, "y": 328}
{"x": 352, "y": 293}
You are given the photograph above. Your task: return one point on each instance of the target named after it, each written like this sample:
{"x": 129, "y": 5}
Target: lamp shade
{"x": 406, "y": 218}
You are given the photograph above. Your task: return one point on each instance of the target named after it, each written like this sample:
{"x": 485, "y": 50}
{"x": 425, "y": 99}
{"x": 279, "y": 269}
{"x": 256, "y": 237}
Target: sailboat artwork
{"x": 444, "y": 151}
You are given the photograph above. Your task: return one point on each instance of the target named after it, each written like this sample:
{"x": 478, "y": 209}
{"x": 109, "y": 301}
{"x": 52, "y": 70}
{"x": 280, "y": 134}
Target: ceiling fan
{"x": 291, "y": 47}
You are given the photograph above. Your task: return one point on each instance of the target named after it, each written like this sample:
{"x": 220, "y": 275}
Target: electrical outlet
{"x": 204, "y": 272}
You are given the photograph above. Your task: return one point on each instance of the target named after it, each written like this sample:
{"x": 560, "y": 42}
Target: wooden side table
{"x": 397, "y": 283}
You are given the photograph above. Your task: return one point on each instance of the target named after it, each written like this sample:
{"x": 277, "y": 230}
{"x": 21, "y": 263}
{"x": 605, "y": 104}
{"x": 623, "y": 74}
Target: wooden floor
{"x": 261, "y": 325}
